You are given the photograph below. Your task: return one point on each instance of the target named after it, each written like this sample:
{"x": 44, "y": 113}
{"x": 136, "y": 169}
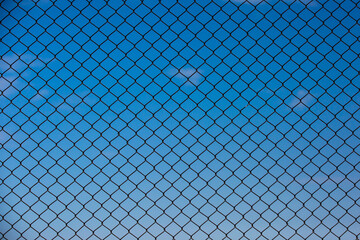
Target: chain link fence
{"x": 211, "y": 119}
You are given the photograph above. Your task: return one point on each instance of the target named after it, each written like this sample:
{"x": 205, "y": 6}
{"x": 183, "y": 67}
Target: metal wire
{"x": 179, "y": 119}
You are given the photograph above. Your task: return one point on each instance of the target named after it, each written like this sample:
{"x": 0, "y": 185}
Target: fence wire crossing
{"x": 211, "y": 119}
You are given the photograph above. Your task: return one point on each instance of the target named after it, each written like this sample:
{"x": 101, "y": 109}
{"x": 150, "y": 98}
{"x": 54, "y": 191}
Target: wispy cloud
{"x": 42, "y": 94}
{"x": 308, "y": 3}
{"x": 18, "y": 63}
{"x": 4, "y": 136}
{"x": 14, "y": 68}
{"x": 33, "y": 2}
{"x": 302, "y": 99}
{"x": 323, "y": 179}
{"x": 247, "y": 1}
{"x": 9, "y": 67}
{"x": 187, "y": 76}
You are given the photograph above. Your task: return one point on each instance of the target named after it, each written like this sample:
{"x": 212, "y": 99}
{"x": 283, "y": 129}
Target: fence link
{"x": 221, "y": 119}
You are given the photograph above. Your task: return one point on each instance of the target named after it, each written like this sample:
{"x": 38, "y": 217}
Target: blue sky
{"x": 219, "y": 119}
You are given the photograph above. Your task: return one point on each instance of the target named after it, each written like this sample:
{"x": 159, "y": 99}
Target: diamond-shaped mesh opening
{"x": 222, "y": 119}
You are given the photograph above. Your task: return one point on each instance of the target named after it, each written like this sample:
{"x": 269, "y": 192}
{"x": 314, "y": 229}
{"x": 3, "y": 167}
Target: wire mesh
{"x": 221, "y": 119}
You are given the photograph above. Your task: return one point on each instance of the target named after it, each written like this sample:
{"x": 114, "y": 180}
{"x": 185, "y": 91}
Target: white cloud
{"x": 302, "y": 99}
{"x": 187, "y": 76}
{"x": 323, "y": 179}
{"x": 4, "y": 136}
{"x": 14, "y": 69}
{"x": 42, "y": 94}
{"x": 308, "y": 3}
{"x": 33, "y": 2}
{"x": 247, "y": 1}
{"x": 6, "y": 61}
{"x": 5, "y": 83}
{"x": 18, "y": 63}
{"x": 7, "y": 86}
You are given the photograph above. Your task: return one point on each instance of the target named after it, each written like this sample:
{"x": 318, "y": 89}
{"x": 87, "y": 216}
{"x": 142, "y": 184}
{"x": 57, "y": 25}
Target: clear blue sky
{"x": 185, "y": 119}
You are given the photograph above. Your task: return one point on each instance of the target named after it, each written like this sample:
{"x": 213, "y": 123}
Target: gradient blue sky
{"x": 180, "y": 120}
